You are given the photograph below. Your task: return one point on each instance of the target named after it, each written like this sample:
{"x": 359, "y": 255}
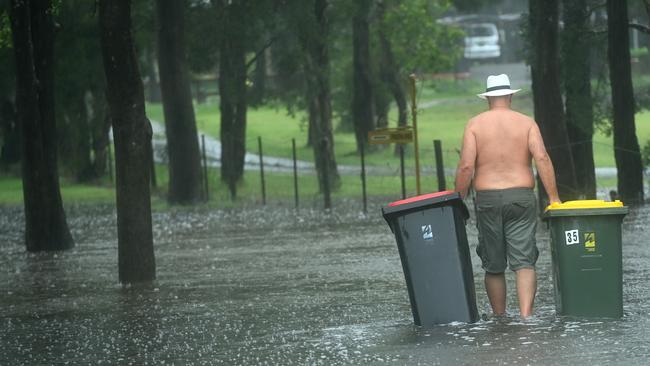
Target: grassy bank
{"x": 11, "y": 192}
{"x": 279, "y": 189}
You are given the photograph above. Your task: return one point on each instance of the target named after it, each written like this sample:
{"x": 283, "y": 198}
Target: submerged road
{"x": 272, "y": 286}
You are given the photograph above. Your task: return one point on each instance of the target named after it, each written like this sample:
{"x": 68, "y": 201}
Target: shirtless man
{"x": 498, "y": 146}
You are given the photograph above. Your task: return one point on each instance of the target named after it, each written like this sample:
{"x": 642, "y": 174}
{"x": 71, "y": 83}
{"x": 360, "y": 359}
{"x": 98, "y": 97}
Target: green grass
{"x": 442, "y": 122}
{"x": 279, "y": 189}
{"x": 447, "y": 89}
{"x": 280, "y": 186}
{"x": 11, "y": 192}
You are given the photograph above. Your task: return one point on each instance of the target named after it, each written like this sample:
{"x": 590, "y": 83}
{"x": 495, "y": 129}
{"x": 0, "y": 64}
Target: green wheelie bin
{"x": 586, "y": 253}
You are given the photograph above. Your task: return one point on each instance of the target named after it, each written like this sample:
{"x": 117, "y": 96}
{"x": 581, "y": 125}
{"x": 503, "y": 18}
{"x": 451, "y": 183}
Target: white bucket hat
{"x": 496, "y": 86}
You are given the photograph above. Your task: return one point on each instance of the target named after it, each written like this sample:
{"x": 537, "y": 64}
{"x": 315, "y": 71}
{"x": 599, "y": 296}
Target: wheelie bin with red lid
{"x": 432, "y": 244}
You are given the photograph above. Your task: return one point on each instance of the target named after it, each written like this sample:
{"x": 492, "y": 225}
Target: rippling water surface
{"x": 272, "y": 286}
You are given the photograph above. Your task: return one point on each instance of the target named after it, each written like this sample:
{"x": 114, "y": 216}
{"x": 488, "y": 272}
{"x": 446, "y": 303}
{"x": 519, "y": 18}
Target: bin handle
{"x": 464, "y": 211}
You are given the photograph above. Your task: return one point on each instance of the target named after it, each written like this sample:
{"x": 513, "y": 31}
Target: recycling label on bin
{"x": 572, "y": 237}
{"x": 427, "y": 233}
{"x": 590, "y": 241}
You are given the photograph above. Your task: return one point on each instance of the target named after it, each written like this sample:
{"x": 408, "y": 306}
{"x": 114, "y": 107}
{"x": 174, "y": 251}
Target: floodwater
{"x": 271, "y": 286}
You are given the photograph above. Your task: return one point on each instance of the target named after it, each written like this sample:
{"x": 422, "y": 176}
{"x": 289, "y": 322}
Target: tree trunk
{"x": 310, "y": 130}
{"x": 180, "y": 123}
{"x": 382, "y": 107}
{"x": 258, "y": 90}
{"x": 232, "y": 95}
{"x": 390, "y": 76}
{"x": 32, "y": 31}
{"x": 10, "y": 152}
{"x": 76, "y": 146}
{"x": 626, "y": 144}
{"x": 319, "y": 98}
{"x": 577, "y": 86}
{"x": 132, "y": 135}
{"x": 362, "y": 93}
{"x": 153, "y": 86}
{"x": 101, "y": 124}
{"x": 389, "y": 72}
{"x": 547, "y": 95}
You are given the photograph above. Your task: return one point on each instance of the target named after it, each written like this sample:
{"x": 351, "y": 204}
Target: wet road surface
{"x": 269, "y": 286}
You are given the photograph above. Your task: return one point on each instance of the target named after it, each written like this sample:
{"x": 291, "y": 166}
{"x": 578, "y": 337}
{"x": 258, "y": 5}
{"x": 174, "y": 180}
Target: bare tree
{"x": 626, "y": 145}
{"x": 180, "y": 122}
{"x": 313, "y": 35}
{"x": 389, "y": 71}
{"x": 32, "y": 31}
{"x": 547, "y": 93}
{"x": 577, "y": 87}
{"x": 132, "y": 135}
{"x": 232, "y": 90}
{"x": 362, "y": 96}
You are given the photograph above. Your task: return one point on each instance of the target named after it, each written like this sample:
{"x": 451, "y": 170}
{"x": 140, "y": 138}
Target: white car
{"x": 482, "y": 41}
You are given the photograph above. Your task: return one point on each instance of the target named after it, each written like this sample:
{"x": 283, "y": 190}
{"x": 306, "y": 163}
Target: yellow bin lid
{"x": 583, "y": 204}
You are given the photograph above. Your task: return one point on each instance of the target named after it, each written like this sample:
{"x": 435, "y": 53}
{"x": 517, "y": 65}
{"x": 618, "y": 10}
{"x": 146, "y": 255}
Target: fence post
{"x": 206, "y": 189}
{"x": 416, "y": 149}
{"x": 295, "y": 172}
{"x": 440, "y": 168}
{"x": 110, "y": 162}
{"x": 326, "y": 173}
{"x": 363, "y": 179}
{"x": 259, "y": 144}
{"x": 401, "y": 167}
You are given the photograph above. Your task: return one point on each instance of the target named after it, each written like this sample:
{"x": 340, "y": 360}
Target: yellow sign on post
{"x": 399, "y": 135}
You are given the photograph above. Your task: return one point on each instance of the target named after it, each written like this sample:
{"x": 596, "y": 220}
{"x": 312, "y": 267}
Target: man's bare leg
{"x": 526, "y": 289}
{"x": 495, "y": 285}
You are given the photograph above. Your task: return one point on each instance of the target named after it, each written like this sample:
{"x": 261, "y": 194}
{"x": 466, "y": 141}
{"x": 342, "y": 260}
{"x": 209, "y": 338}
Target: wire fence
{"x": 290, "y": 178}
{"x": 282, "y": 170}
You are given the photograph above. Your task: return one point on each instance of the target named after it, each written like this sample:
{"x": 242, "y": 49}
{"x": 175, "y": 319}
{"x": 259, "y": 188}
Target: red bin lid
{"x": 420, "y": 198}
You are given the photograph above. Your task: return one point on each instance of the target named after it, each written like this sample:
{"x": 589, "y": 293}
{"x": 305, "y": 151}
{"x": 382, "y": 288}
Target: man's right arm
{"x": 543, "y": 163}
{"x": 466, "y": 165}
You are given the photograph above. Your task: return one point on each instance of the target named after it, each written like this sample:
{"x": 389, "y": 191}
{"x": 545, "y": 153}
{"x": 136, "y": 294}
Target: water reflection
{"x": 269, "y": 285}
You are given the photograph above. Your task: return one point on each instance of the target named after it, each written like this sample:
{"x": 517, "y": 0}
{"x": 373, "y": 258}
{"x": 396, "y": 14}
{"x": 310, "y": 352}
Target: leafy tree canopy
{"x": 418, "y": 41}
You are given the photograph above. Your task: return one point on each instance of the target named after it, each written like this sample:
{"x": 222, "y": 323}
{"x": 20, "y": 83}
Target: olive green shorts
{"x": 506, "y": 221}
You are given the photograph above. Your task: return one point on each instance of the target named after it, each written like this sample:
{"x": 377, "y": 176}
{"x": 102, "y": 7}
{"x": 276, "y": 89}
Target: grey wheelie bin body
{"x": 432, "y": 244}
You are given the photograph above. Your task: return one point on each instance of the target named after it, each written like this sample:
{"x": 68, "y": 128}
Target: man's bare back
{"x": 503, "y": 158}
{"x": 498, "y": 146}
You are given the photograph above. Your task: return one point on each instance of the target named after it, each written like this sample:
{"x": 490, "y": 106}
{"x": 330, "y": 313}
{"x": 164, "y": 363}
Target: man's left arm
{"x": 465, "y": 170}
